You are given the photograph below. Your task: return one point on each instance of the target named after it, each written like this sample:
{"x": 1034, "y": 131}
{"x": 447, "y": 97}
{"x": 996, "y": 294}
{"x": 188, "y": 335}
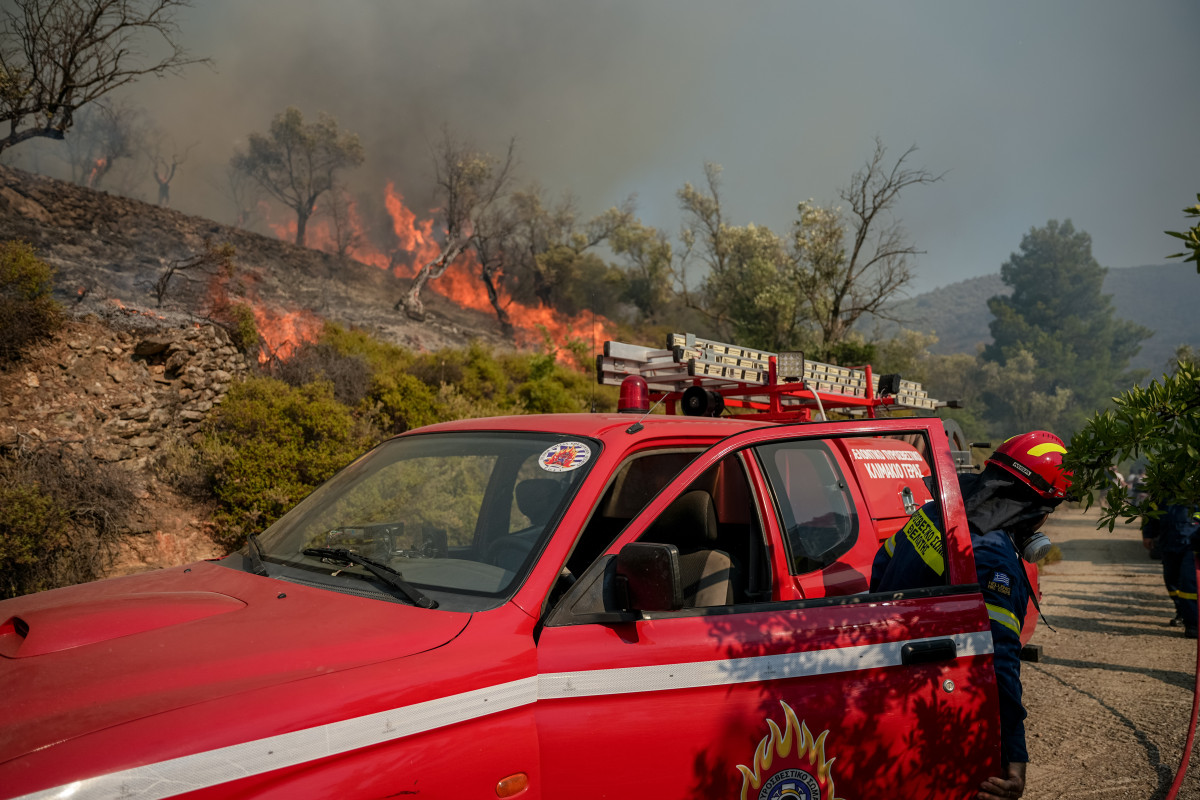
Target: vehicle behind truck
{"x": 585, "y": 605}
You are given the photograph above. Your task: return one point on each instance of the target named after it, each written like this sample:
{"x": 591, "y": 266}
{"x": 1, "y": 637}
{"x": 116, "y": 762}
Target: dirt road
{"x": 1109, "y": 702}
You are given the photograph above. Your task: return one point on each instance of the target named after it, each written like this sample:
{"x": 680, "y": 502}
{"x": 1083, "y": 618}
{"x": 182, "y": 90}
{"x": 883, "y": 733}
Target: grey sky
{"x": 1037, "y": 110}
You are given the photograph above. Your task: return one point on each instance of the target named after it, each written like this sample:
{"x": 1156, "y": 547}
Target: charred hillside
{"x": 110, "y": 251}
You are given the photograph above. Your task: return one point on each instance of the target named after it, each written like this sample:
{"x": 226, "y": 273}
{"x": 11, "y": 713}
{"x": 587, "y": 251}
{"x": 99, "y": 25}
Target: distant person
{"x": 1006, "y": 504}
{"x": 1171, "y": 534}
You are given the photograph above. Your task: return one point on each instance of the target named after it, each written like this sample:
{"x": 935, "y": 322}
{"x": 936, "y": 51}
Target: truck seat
{"x": 536, "y": 498}
{"x": 690, "y": 523}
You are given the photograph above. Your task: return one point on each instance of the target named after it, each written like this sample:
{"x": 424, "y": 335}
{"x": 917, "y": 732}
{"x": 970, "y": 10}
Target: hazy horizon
{"x": 1079, "y": 110}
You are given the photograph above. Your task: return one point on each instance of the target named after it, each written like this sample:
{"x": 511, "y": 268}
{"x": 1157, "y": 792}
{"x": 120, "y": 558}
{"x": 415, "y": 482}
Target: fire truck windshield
{"x": 463, "y": 516}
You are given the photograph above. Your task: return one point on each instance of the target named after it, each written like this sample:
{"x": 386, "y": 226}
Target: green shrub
{"x": 548, "y": 387}
{"x": 393, "y": 400}
{"x": 242, "y": 328}
{"x": 474, "y": 370}
{"x": 179, "y": 464}
{"x": 272, "y": 441}
{"x": 271, "y": 444}
{"x": 32, "y": 523}
{"x": 401, "y": 402}
{"x": 28, "y": 312}
{"x": 60, "y": 517}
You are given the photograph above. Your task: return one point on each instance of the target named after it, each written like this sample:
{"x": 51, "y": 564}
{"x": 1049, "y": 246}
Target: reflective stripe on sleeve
{"x": 1005, "y": 617}
{"x": 1182, "y": 595}
{"x": 890, "y": 545}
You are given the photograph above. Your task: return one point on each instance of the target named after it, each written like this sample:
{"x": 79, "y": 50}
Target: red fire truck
{"x": 587, "y": 605}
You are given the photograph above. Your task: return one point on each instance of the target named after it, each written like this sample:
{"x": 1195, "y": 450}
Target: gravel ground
{"x": 1110, "y": 700}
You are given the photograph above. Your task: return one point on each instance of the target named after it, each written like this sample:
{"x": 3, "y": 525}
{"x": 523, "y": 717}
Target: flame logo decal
{"x": 802, "y": 772}
{"x": 565, "y": 456}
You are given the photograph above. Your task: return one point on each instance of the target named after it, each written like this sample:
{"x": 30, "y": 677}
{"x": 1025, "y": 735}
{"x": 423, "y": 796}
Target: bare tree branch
{"x": 164, "y": 166}
{"x": 57, "y": 56}
{"x": 841, "y": 287}
{"x": 213, "y": 259}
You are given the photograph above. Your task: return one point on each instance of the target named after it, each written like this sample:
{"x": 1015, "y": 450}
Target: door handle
{"x": 928, "y": 652}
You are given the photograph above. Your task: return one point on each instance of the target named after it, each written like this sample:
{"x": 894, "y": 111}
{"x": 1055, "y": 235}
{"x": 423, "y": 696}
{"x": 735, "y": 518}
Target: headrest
{"x": 690, "y": 520}
{"x": 537, "y": 498}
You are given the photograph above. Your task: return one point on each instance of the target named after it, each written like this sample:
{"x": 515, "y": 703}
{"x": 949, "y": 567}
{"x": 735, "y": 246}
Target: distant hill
{"x": 1163, "y": 297}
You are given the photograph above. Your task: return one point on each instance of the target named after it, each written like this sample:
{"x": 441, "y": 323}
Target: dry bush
{"x": 61, "y": 515}
{"x": 178, "y": 463}
{"x": 349, "y": 373}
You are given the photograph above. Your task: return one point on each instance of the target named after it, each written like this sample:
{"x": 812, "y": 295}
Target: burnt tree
{"x": 296, "y": 162}
{"x": 470, "y": 182}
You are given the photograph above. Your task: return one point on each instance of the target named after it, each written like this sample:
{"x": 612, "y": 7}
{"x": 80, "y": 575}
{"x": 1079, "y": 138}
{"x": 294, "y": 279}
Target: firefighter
{"x": 1007, "y": 503}
{"x": 1174, "y": 532}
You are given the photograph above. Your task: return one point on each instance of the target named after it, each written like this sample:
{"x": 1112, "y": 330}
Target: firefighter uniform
{"x": 1174, "y": 532}
{"x": 915, "y": 557}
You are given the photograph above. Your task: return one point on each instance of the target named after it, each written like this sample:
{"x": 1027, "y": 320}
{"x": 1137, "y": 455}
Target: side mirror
{"x": 647, "y": 577}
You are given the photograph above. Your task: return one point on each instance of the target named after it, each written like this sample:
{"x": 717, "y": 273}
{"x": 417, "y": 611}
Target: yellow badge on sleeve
{"x": 927, "y": 540}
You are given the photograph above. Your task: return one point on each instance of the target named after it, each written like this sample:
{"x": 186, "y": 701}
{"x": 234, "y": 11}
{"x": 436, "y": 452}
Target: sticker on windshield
{"x": 565, "y": 456}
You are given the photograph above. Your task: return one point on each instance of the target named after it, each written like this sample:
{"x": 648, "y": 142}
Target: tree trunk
{"x": 301, "y": 225}
{"x": 494, "y": 299}
{"x": 411, "y": 302}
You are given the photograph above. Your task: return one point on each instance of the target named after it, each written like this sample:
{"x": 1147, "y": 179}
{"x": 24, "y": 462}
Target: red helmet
{"x": 1035, "y": 458}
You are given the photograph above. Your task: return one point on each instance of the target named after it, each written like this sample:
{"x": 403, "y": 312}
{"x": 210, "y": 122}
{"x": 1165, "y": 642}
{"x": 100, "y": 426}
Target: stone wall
{"x": 120, "y": 395}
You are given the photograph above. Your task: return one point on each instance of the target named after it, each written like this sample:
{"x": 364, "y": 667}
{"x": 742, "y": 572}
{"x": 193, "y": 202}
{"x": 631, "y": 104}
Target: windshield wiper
{"x": 256, "y": 555}
{"x": 377, "y": 568}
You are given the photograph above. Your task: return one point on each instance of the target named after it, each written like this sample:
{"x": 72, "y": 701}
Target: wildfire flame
{"x": 283, "y": 331}
{"x": 117, "y": 304}
{"x": 96, "y": 169}
{"x": 795, "y": 737}
{"x": 416, "y": 246}
{"x": 280, "y": 331}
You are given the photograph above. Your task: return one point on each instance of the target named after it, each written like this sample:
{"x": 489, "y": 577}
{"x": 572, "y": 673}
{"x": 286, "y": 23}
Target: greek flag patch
{"x": 1000, "y": 584}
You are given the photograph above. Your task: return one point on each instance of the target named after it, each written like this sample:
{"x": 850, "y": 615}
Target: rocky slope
{"x": 109, "y": 250}
{"x": 124, "y": 395}
{"x": 129, "y": 379}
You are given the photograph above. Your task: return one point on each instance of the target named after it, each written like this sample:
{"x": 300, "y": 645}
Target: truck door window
{"x": 715, "y": 526}
{"x": 633, "y": 486}
{"x": 816, "y": 510}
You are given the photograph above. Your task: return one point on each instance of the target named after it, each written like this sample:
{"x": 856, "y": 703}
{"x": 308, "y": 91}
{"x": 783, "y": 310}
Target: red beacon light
{"x": 635, "y": 396}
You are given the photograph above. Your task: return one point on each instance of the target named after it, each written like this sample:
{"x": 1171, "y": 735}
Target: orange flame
{"x": 133, "y": 311}
{"x": 415, "y": 238}
{"x": 99, "y": 165}
{"x": 461, "y": 283}
{"x": 280, "y": 331}
{"x": 809, "y": 755}
{"x": 283, "y": 331}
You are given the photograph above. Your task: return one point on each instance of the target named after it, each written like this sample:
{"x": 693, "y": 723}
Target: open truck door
{"x": 683, "y": 663}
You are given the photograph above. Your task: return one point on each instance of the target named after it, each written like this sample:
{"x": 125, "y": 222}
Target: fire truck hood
{"x": 76, "y": 660}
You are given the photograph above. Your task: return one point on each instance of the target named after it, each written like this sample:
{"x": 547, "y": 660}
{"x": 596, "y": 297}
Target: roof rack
{"x": 772, "y": 386}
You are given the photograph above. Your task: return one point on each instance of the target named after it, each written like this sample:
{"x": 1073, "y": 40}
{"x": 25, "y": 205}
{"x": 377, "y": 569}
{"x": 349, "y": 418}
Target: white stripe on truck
{"x": 213, "y": 767}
